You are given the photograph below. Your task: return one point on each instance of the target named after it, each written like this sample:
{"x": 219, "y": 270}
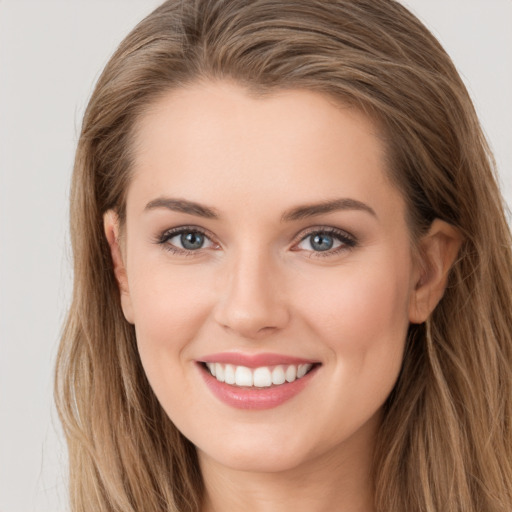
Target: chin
{"x": 259, "y": 454}
{"x": 257, "y": 461}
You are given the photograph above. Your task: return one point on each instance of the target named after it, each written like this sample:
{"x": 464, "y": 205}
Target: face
{"x": 265, "y": 244}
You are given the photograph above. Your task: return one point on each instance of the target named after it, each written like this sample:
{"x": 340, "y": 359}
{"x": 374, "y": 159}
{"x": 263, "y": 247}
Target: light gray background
{"x": 51, "y": 53}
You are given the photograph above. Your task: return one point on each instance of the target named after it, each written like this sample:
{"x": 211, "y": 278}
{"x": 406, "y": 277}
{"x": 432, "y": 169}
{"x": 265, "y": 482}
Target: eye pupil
{"x": 322, "y": 242}
{"x": 192, "y": 241}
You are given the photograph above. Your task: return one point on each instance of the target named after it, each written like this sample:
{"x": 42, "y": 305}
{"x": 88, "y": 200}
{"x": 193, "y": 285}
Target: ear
{"x": 111, "y": 227}
{"x": 437, "y": 253}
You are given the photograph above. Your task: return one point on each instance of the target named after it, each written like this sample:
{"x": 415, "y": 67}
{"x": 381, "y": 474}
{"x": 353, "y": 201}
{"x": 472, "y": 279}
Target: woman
{"x": 292, "y": 270}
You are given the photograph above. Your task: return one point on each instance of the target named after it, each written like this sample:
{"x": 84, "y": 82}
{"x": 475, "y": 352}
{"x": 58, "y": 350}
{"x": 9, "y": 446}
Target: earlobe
{"x": 111, "y": 227}
{"x": 438, "y": 251}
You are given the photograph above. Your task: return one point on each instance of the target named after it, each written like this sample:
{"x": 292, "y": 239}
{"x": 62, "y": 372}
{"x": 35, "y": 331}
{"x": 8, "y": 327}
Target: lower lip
{"x": 256, "y": 398}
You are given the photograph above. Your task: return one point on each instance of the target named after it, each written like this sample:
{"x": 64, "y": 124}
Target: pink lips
{"x": 253, "y": 360}
{"x": 252, "y": 397}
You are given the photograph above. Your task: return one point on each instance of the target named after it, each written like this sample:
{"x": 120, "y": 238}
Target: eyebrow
{"x": 183, "y": 206}
{"x": 297, "y": 213}
{"x": 311, "y": 210}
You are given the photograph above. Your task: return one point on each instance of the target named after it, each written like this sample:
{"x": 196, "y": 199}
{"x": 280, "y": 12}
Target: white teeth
{"x": 243, "y": 376}
{"x": 278, "y": 376}
{"x": 303, "y": 369}
{"x": 211, "y": 367}
{"x": 219, "y": 372}
{"x": 291, "y": 373}
{"x": 229, "y": 374}
{"x": 262, "y": 377}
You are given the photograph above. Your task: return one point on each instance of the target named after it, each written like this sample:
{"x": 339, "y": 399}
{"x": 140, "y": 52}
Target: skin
{"x": 258, "y": 285}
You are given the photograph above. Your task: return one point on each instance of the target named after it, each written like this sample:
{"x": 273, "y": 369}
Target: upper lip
{"x": 254, "y": 360}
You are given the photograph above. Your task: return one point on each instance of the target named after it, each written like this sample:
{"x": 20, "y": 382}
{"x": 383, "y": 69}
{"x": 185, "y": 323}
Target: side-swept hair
{"x": 446, "y": 439}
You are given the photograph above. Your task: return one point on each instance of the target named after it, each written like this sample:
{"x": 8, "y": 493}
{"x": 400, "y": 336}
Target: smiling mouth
{"x": 261, "y": 377}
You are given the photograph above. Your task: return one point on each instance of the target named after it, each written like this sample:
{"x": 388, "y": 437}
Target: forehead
{"x": 294, "y": 145}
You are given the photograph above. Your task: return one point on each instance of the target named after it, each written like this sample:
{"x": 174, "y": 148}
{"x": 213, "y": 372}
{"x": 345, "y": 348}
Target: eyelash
{"x": 348, "y": 241}
{"x": 164, "y": 238}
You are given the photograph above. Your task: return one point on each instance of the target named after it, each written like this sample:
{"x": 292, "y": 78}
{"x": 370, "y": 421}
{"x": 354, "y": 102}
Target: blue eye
{"x": 185, "y": 240}
{"x": 191, "y": 241}
{"x": 321, "y": 242}
{"x": 329, "y": 241}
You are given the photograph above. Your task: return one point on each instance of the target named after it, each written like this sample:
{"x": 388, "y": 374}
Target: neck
{"x": 338, "y": 480}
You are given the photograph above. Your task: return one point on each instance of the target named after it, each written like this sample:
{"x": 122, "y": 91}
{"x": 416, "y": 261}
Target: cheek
{"x": 169, "y": 304}
{"x": 361, "y": 312}
{"x": 361, "y": 318}
{"x": 170, "y": 307}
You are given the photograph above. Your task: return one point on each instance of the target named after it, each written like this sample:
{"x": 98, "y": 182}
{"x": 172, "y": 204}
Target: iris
{"x": 192, "y": 240}
{"x": 321, "y": 242}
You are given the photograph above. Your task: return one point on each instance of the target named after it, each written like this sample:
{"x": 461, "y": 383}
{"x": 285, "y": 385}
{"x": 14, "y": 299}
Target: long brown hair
{"x": 446, "y": 439}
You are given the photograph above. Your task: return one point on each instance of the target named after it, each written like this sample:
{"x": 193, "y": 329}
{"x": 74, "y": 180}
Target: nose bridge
{"x": 252, "y": 298}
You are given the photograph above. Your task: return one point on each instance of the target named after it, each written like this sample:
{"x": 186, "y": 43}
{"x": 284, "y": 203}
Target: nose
{"x": 252, "y": 299}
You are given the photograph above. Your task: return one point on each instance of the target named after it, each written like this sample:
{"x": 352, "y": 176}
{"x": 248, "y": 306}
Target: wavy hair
{"x": 445, "y": 443}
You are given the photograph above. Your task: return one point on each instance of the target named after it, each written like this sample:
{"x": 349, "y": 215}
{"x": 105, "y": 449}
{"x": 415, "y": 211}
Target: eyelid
{"x": 164, "y": 237}
{"x": 348, "y": 241}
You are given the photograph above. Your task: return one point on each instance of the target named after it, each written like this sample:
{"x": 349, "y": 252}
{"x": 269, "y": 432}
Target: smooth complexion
{"x": 261, "y": 230}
